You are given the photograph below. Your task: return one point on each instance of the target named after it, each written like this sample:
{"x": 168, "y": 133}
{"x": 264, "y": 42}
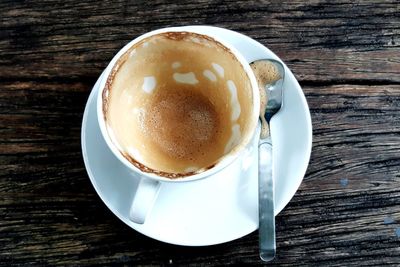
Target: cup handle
{"x": 143, "y": 201}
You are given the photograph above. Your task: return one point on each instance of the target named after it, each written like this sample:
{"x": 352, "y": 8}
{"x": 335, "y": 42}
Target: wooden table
{"x": 346, "y": 57}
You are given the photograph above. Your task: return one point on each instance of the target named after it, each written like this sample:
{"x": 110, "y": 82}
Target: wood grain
{"x": 346, "y": 56}
{"x": 342, "y": 41}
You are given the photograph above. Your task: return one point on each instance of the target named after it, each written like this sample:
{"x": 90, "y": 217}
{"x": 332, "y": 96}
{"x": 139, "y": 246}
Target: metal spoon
{"x": 271, "y": 92}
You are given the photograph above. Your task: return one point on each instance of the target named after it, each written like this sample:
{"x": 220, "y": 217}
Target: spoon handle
{"x": 266, "y": 213}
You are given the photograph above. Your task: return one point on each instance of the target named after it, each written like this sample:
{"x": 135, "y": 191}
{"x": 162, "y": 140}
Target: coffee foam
{"x": 189, "y": 78}
{"x": 176, "y": 65}
{"x": 266, "y": 73}
{"x": 210, "y": 75}
{"x": 149, "y": 83}
{"x": 235, "y": 137}
{"x": 219, "y": 69}
{"x": 183, "y": 123}
{"x": 171, "y": 107}
{"x": 234, "y": 100}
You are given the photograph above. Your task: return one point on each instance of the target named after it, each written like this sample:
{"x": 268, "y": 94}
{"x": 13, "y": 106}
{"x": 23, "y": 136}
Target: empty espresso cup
{"x": 177, "y": 106}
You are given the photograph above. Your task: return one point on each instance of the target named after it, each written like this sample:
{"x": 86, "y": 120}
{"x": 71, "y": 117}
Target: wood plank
{"x": 60, "y": 230}
{"x": 321, "y": 42}
{"x": 357, "y": 134}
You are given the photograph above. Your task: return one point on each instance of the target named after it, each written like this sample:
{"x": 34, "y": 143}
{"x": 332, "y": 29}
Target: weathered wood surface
{"x": 346, "y": 56}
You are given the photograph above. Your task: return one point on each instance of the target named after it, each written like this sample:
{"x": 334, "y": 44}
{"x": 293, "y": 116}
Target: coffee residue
{"x": 183, "y": 123}
{"x": 266, "y": 73}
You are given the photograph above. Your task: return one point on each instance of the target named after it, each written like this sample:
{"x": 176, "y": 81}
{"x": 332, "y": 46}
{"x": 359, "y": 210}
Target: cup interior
{"x": 177, "y": 103}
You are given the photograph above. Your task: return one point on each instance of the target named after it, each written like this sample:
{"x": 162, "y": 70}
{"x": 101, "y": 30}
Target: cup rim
{"x": 226, "y": 159}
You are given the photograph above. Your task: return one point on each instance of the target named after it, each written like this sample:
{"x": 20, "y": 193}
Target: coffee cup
{"x": 177, "y": 106}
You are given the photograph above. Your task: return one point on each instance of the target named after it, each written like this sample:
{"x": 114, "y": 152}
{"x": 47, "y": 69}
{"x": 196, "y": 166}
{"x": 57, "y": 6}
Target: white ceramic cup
{"x": 234, "y": 163}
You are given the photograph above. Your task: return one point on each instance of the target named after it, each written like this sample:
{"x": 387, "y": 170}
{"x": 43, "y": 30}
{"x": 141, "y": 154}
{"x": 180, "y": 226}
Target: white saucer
{"x": 200, "y": 213}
